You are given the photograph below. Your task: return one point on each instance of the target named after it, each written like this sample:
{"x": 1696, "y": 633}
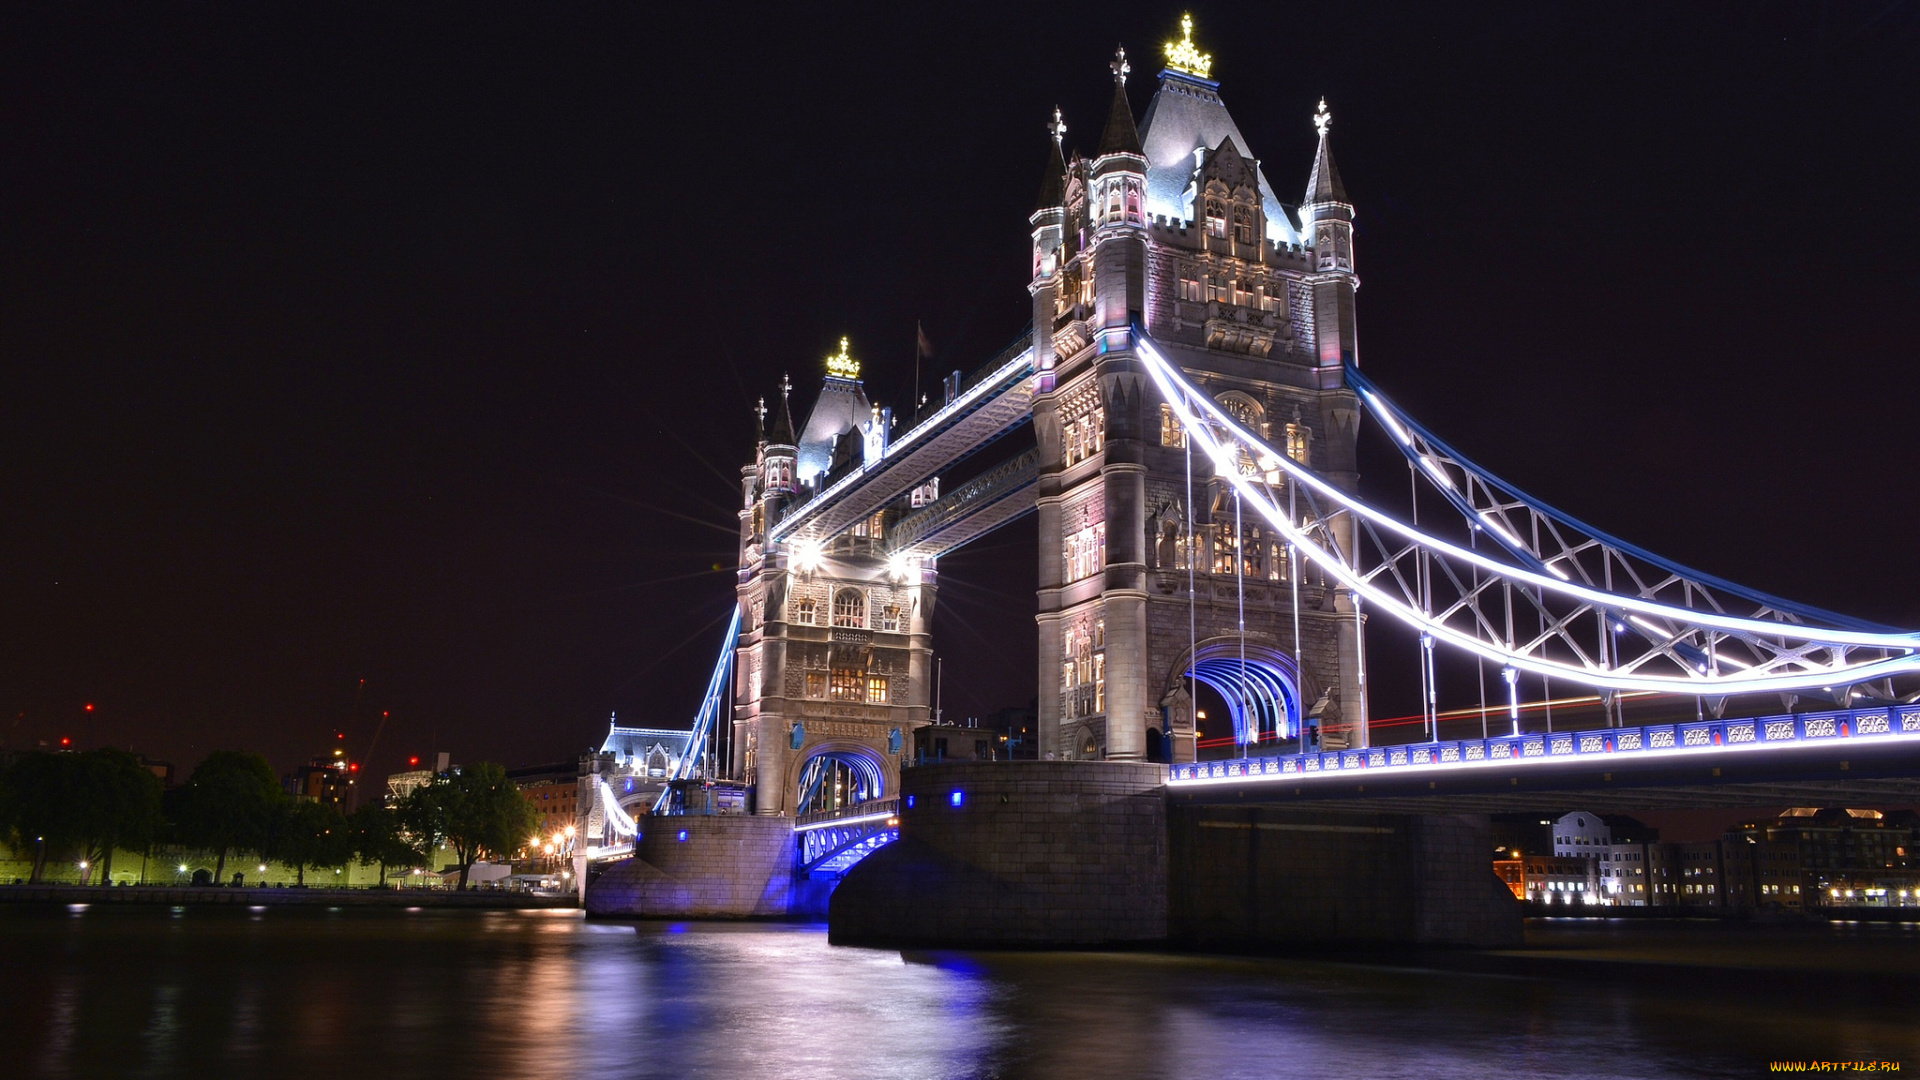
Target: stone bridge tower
{"x": 831, "y": 672}
{"x": 1171, "y": 225}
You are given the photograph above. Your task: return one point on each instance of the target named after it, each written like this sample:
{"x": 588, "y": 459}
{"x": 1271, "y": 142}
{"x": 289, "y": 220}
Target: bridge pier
{"x": 724, "y": 866}
{"x": 1051, "y": 854}
{"x": 1032, "y": 853}
{"x": 1263, "y": 877}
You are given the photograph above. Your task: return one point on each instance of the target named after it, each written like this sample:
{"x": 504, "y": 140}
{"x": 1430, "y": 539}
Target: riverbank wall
{"x": 174, "y": 895}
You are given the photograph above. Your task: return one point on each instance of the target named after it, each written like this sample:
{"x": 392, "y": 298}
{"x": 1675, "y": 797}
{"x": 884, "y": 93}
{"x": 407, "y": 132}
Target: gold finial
{"x": 1182, "y": 55}
{"x": 1323, "y": 119}
{"x": 842, "y": 366}
{"x": 1120, "y": 66}
{"x": 1056, "y": 129}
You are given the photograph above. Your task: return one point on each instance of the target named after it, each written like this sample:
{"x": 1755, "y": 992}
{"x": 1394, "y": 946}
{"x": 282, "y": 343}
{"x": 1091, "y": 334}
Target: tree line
{"x": 88, "y": 805}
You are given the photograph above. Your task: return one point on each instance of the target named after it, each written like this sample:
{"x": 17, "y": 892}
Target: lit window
{"x": 877, "y": 689}
{"x": 1190, "y": 290}
{"x": 1171, "y": 433}
{"x": 1242, "y": 224}
{"x": 1216, "y": 218}
{"x": 849, "y": 609}
{"x": 890, "y": 618}
{"x": 816, "y": 684}
{"x": 847, "y": 684}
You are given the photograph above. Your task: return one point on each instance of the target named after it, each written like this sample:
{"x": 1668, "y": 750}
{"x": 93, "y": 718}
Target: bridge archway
{"x": 1261, "y": 686}
{"x": 836, "y": 774}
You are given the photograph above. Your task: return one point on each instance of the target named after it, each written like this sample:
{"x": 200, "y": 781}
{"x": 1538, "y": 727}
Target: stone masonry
{"x": 729, "y": 866}
{"x": 1036, "y": 853}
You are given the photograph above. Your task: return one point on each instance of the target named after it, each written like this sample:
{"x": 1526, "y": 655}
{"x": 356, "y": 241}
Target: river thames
{"x": 289, "y": 993}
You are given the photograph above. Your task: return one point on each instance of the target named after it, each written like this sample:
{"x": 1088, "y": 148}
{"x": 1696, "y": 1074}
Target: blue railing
{"x": 1798, "y": 729}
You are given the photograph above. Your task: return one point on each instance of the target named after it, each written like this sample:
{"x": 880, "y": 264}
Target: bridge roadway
{"x": 1806, "y": 759}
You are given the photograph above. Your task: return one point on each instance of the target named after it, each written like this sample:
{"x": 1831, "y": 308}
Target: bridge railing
{"x": 1897, "y": 723}
{"x": 876, "y": 809}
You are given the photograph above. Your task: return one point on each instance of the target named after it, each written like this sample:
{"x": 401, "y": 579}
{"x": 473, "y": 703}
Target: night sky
{"x": 419, "y": 346}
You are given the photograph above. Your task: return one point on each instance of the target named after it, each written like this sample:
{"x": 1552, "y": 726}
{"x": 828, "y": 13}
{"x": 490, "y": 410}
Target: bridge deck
{"x": 1807, "y": 759}
{"x": 1000, "y": 401}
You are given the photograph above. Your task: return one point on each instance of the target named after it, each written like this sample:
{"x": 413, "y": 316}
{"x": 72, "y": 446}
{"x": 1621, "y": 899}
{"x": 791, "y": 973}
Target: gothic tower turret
{"x": 1328, "y": 220}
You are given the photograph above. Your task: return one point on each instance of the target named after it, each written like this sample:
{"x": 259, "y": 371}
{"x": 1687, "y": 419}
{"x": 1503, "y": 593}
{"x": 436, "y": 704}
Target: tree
{"x": 87, "y": 804}
{"x": 227, "y": 805}
{"x": 120, "y": 806}
{"x": 40, "y": 797}
{"x": 379, "y": 836}
{"x": 477, "y": 810}
{"x": 307, "y": 833}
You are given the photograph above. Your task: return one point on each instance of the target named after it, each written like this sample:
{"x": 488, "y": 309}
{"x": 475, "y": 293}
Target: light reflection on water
{"x": 287, "y": 993}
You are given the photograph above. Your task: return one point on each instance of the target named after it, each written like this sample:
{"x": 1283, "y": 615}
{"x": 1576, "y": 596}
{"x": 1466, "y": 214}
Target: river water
{"x": 289, "y": 993}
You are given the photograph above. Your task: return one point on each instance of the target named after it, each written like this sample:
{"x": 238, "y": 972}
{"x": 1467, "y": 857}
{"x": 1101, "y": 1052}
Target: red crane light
{"x": 64, "y": 741}
{"x": 413, "y": 761}
{"x": 89, "y": 706}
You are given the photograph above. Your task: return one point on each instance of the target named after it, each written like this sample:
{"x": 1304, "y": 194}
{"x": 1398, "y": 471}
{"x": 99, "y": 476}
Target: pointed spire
{"x": 1120, "y": 136}
{"x": 1324, "y": 184}
{"x": 1053, "y": 186}
{"x": 782, "y": 434}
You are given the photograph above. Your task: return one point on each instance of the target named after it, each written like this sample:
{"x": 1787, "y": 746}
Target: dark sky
{"x": 417, "y": 345}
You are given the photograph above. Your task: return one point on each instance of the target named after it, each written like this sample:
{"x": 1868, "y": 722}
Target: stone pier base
{"x": 1082, "y": 854}
{"x": 1033, "y": 853}
{"x": 1253, "y": 877}
{"x": 730, "y": 866}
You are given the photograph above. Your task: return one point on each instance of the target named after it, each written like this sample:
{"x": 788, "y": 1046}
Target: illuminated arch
{"x": 1262, "y": 696}
{"x": 860, "y": 769}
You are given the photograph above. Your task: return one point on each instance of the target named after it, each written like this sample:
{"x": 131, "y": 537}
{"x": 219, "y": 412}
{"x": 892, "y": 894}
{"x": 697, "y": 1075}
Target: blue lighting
{"x": 957, "y": 798}
{"x": 683, "y": 836}
{"x": 909, "y": 802}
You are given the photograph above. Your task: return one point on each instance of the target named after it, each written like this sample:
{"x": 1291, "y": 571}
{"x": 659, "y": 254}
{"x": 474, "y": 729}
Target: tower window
{"x": 803, "y": 611}
{"x": 1216, "y": 218}
{"x": 890, "y": 618}
{"x": 877, "y": 689}
{"x": 816, "y": 684}
{"x": 849, "y": 609}
{"x": 1171, "y": 433}
{"x": 847, "y": 684}
{"x": 1242, "y": 225}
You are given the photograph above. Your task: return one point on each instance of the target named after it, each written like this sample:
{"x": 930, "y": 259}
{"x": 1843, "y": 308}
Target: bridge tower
{"x": 832, "y": 665}
{"x": 1145, "y": 582}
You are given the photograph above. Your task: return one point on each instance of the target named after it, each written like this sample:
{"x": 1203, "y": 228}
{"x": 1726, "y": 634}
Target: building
{"x": 1550, "y": 879}
{"x": 321, "y": 781}
{"x": 554, "y": 791}
{"x": 1810, "y": 858}
{"x": 402, "y": 784}
{"x": 952, "y": 742}
{"x": 1172, "y": 225}
{"x": 1618, "y": 854}
{"x": 1168, "y": 224}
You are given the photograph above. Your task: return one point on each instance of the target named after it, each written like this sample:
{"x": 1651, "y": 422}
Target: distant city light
{"x": 957, "y": 798}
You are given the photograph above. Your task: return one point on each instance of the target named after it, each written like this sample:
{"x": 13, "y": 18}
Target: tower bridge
{"x": 1191, "y": 378}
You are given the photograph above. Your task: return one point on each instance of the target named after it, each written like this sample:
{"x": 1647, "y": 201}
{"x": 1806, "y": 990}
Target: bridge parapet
{"x": 1706, "y": 738}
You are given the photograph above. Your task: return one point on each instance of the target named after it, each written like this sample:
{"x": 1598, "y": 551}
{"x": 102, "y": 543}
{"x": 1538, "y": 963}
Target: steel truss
{"x": 1531, "y": 588}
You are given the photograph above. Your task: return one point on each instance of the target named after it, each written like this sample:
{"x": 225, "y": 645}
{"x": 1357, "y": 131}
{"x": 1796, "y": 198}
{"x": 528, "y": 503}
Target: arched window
{"x": 849, "y": 608}
{"x": 1216, "y": 218}
{"x": 1242, "y": 224}
{"x": 803, "y": 611}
